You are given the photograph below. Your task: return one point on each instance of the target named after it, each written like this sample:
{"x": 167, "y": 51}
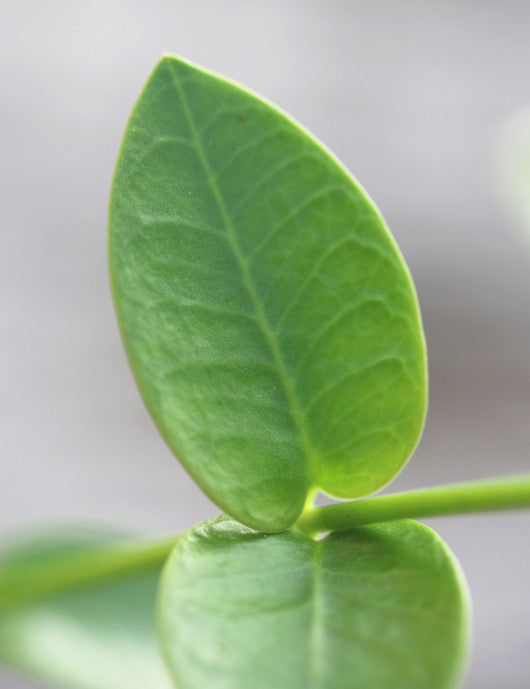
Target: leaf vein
{"x": 291, "y": 215}
{"x": 281, "y": 370}
{"x": 350, "y": 374}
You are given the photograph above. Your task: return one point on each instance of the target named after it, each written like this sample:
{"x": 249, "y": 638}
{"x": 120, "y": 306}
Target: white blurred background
{"x": 413, "y": 96}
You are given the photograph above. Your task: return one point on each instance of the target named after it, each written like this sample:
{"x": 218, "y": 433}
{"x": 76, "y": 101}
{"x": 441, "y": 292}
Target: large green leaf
{"x": 379, "y": 607}
{"x": 89, "y": 636}
{"x": 269, "y": 318}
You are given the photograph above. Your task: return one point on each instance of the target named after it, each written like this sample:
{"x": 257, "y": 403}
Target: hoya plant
{"x": 274, "y": 333}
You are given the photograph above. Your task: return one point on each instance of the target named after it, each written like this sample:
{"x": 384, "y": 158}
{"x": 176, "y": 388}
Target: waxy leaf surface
{"x": 379, "y": 607}
{"x": 269, "y": 318}
{"x": 89, "y": 636}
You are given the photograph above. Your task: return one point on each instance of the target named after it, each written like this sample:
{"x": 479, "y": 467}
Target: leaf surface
{"x": 268, "y": 315}
{"x": 90, "y": 636}
{"x": 379, "y": 607}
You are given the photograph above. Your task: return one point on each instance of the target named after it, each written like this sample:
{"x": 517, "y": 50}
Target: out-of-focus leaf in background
{"x": 90, "y": 636}
{"x": 514, "y": 167}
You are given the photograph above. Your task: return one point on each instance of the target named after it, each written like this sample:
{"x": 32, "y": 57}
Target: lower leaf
{"x": 378, "y": 607}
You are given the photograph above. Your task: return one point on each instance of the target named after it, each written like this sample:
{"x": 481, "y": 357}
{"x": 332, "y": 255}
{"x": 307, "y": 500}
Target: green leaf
{"x": 91, "y": 635}
{"x": 379, "y": 607}
{"x": 270, "y": 321}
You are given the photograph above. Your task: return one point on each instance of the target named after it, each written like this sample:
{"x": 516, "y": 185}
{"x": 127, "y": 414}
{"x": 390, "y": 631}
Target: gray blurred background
{"x": 412, "y": 97}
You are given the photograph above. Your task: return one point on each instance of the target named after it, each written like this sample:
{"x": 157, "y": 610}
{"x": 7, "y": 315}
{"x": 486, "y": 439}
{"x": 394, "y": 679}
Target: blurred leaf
{"x": 91, "y": 636}
{"x": 269, "y": 318}
{"x": 379, "y": 607}
{"x": 514, "y": 166}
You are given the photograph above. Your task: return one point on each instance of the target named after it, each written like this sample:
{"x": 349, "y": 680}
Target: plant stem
{"x": 477, "y": 496}
{"x": 101, "y": 563}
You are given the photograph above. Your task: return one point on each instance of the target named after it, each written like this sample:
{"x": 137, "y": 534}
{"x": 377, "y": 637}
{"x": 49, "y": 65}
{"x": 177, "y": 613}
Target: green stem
{"x": 477, "y": 496}
{"x": 21, "y": 583}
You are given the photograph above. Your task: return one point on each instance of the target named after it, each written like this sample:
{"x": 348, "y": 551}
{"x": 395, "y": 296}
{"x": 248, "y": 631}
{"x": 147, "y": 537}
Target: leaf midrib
{"x": 315, "y": 632}
{"x": 98, "y": 565}
{"x": 261, "y": 317}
